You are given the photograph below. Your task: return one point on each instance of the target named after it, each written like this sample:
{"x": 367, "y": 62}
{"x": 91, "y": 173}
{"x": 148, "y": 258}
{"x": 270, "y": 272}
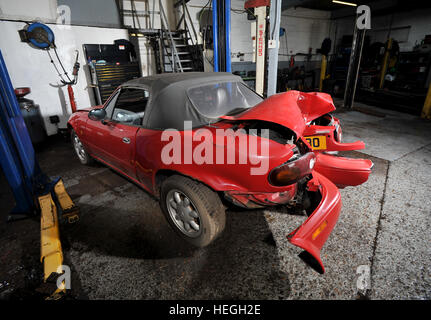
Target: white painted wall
{"x": 29, "y": 67}
{"x": 305, "y": 28}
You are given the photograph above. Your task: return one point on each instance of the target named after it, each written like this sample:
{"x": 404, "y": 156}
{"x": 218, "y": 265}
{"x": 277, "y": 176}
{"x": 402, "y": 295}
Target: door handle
{"x": 126, "y": 140}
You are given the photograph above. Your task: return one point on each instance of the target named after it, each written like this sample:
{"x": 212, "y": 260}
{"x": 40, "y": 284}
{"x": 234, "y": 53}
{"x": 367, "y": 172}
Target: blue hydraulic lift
{"x": 17, "y": 156}
{"x": 34, "y": 193}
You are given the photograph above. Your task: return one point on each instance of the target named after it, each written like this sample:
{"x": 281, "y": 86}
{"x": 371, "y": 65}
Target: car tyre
{"x": 189, "y": 205}
{"x": 82, "y": 154}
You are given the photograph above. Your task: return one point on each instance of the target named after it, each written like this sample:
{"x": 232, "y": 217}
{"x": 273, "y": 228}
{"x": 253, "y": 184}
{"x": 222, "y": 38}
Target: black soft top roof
{"x": 169, "y": 104}
{"x": 186, "y": 80}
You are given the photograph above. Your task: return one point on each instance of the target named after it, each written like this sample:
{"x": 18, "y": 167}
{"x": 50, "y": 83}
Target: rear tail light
{"x": 292, "y": 171}
{"x": 338, "y": 133}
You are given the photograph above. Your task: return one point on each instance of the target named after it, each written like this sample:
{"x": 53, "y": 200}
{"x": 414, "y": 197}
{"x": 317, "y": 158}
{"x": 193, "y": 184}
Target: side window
{"x": 110, "y": 106}
{"x": 130, "y": 106}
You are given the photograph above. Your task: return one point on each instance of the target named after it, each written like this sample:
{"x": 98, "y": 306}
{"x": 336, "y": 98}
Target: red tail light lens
{"x": 291, "y": 172}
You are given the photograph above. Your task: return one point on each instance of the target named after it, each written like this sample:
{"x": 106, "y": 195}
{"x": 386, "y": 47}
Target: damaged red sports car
{"x": 179, "y": 136}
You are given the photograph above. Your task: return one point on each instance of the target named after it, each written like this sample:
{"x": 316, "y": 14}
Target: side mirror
{"x": 97, "y": 114}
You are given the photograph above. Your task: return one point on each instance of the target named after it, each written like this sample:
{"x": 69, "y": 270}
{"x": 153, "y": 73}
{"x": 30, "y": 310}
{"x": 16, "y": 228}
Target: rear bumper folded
{"x": 313, "y": 233}
{"x": 341, "y": 146}
{"x": 343, "y": 171}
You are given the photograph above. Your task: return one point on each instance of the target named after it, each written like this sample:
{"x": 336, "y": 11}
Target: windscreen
{"x": 220, "y": 99}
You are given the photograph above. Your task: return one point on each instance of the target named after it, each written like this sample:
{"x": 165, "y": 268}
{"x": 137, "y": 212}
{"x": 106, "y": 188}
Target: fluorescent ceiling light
{"x": 346, "y": 3}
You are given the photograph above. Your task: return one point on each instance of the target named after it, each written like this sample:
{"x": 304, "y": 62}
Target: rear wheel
{"x": 193, "y": 210}
{"x": 80, "y": 151}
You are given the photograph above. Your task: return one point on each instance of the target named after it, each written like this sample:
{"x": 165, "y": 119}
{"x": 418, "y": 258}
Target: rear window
{"x": 220, "y": 99}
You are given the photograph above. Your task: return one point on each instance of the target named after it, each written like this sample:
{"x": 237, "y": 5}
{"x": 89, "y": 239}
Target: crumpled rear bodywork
{"x": 279, "y": 108}
{"x": 314, "y": 104}
{"x": 292, "y": 109}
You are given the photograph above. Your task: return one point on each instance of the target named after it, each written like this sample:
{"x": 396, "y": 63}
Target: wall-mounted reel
{"x": 38, "y": 35}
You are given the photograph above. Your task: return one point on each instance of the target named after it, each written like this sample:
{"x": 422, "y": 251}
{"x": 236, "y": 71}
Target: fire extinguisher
{"x": 73, "y": 82}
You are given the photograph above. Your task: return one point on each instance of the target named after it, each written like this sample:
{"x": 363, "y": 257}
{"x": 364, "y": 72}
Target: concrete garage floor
{"x": 122, "y": 248}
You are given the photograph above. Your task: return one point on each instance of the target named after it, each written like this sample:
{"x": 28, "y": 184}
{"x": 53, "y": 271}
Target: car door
{"x": 126, "y": 119}
{"x": 97, "y": 132}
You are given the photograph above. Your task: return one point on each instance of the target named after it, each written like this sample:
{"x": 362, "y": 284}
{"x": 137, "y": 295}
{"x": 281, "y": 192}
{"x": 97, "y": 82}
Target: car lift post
{"x": 260, "y": 12}
{"x": 266, "y": 43}
{"x": 221, "y": 35}
{"x": 31, "y": 188}
{"x": 273, "y": 46}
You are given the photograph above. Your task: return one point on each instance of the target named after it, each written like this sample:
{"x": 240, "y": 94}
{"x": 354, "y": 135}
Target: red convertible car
{"x": 163, "y": 132}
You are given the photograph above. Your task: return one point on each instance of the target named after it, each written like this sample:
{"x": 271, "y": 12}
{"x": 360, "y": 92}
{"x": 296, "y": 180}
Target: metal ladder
{"x": 174, "y": 50}
{"x": 189, "y": 37}
{"x": 172, "y": 54}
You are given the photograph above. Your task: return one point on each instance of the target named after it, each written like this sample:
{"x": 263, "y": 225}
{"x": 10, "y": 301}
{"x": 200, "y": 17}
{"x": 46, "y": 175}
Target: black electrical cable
{"x": 61, "y": 64}
{"x": 55, "y": 67}
{"x": 75, "y": 79}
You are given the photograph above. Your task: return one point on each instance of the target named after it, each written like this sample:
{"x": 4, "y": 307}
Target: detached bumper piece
{"x": 343, "y": 171}
{"x": 313, "y": 233}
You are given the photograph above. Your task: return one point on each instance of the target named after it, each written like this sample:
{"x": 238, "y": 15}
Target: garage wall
{"x": 305, "y": 28}
{"x": 145, "y": 22}
{"x": 30, "y": 67}
{"x": 409, "y": 28}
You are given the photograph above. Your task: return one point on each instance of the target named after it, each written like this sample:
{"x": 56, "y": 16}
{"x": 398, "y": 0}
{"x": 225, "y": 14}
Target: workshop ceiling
{"x": 376, "y": 5}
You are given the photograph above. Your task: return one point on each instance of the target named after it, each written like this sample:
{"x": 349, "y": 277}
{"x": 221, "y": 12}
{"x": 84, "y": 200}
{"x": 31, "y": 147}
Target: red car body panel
{"x": 332, "y": 143}
{"x": 220, "y": 177}
{"x": 314, "y": 104}
{"x": 279, "y": 108}
{"x": 292, "y": 108}
{"x": 343, "y": 171}
{"x": 313, "y": 233}
{"x": 142, "y": 157}
{"x": 140, "y": 160}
